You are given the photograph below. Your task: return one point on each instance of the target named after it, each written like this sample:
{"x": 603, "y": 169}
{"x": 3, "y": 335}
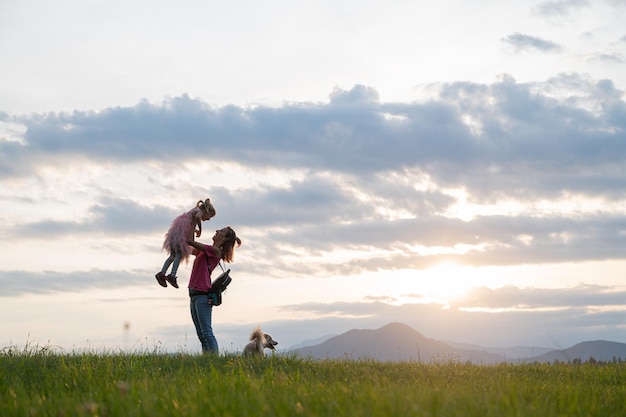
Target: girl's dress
{"x": 178, "y": 233}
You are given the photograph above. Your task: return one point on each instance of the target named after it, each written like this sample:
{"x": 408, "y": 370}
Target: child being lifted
{"x": 176, "y": 239}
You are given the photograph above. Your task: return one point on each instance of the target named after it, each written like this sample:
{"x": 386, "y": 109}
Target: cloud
{"x": 359, "y": 94}
{"x": 556, "y": 9}
{"x": 380, "y": 182}
{"x": 617, "y": 3}
{"x": 303, "y": 250}
{"x": 581, "y": 296}
{"x": 110, "y": 215}
{"x": 509, "y": 297}
{"x": 521, "y": 42}
{"x": 50, "y": 282}
{"x": 609, "y": 58}
{"x": 524, "y": 132}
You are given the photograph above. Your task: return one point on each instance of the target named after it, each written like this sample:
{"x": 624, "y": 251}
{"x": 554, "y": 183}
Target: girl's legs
{"x": 201, "y": 312}
{"x": 176, "y": 261}
{"x": 177, "y": 255}
{"x": 160, "y": 276}
{"x": 173, "y": 259}
{"x": 167, "y": 263}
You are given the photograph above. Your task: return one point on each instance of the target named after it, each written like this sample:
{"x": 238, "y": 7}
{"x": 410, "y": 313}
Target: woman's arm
{"x": 201, "y": 247}
{"x": 191, "y": 242}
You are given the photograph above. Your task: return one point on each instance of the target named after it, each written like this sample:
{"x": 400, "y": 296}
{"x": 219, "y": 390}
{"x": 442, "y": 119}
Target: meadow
{"x": 40, "y": 382}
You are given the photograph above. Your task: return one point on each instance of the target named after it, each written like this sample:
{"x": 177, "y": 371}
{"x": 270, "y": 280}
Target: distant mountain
{"x": 510, "y": 354}
{"x": 393, "y": 343}
{"x": 600, "y": 350}
{"x": 311, "y": 342}
{"x": 398, "y": 342}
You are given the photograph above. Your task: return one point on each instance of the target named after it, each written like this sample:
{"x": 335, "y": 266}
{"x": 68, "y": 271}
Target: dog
{"x": 258, "y": 342}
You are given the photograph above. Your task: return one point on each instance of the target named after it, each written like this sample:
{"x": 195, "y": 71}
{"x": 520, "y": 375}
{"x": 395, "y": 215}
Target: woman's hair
{"x": 206, "y": 206}
{"x": 228, "y": 247}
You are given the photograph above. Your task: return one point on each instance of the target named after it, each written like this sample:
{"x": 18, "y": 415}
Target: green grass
{"x": 40, "y": 382}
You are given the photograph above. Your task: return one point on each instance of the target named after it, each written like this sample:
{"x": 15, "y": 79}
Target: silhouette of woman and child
{"x": 180, "y": 244}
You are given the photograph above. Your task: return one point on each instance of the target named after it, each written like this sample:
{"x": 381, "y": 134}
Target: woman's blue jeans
{"x": 201, "y": 312}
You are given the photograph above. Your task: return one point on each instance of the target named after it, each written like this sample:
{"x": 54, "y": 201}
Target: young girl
{"x": 176, "y": 239}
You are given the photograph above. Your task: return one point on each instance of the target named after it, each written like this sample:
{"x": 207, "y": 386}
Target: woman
{"x": 207, "y": 258}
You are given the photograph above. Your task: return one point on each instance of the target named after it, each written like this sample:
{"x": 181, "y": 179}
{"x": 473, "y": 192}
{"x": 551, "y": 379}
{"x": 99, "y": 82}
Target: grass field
{"x": 39, "y": 382}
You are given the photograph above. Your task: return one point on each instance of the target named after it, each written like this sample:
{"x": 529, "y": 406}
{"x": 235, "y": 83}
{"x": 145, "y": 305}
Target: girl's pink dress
{"x": 178, "y": 233}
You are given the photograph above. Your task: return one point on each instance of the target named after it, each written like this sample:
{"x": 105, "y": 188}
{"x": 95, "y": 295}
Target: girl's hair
{"x": 206, "y": 206}
{"x": 228, "y": 247}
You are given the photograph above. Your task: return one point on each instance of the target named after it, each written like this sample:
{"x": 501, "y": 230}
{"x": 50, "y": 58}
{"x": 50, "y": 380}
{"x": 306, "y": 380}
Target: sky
{"x": 454, "y": 166}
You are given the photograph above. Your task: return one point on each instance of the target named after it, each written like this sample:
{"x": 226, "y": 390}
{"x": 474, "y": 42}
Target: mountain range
{"x": 397, "y": 342}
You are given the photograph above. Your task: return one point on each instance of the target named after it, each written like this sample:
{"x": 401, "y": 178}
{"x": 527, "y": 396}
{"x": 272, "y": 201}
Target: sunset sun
{"x": 442, "y": 283}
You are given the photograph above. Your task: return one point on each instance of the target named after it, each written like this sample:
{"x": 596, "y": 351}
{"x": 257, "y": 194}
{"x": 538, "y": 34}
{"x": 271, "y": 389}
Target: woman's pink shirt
{"x": 200, "y": 279}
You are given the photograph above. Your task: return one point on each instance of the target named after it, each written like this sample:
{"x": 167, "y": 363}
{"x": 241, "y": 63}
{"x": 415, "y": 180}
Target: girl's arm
{"x": 200, "y": 247}
{"x": 191, "y": 242}
{"x": 197, "y": 222}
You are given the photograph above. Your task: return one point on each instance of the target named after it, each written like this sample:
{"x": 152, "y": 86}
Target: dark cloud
{"x": 521, "y": 42}
{"x": 526, "y": 143}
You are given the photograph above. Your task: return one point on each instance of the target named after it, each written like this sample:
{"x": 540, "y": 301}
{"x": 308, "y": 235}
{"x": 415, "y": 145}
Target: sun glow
{"x": 442, "y": 283}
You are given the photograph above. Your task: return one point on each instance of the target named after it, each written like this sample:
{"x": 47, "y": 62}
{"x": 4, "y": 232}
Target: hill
{"x": 599, "y": 350}
{"x": 394, "y": 342}
{"x": 511, "y": 354}
{"x": 397, "y": 342}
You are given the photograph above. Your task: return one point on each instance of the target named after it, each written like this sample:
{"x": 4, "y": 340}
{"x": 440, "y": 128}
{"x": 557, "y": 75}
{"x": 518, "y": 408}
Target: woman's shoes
{"x": 160, "y": 277}
{"x": 172, "y": 280}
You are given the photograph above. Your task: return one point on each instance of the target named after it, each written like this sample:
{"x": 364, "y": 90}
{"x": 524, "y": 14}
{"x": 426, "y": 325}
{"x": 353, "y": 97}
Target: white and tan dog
{"x": 259, "y": 341}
